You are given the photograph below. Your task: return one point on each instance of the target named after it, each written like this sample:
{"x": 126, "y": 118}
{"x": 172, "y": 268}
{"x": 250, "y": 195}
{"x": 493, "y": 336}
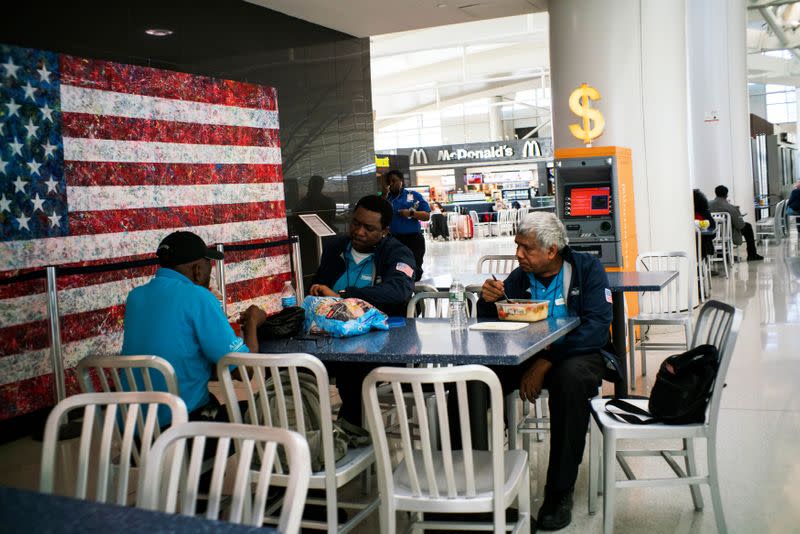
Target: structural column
{"x": 718, "y": 99}
{"x": 634, "y": 53}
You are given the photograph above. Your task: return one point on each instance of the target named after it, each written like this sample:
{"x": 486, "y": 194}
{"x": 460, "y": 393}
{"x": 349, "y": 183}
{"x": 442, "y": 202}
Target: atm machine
{"x": 594, "y": 199}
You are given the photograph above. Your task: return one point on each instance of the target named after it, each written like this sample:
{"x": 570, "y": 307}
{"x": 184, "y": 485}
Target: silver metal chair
{"x": 703, "y": 268}
{"x": 117, "y": 433}
{"x": 115, "y": 367}
{"x": 436, "y": 479}
{"x": 170, "y": 484}
{"x": 723, "y": 242}
{"x": 660, "y": 308}
{"x": 481, "y": 228}
{"x": 772, "y": 227}
{"x": 263, "y": 400}
{"x": 497, "y": 264}
{"x": 505, "y": 222}
{"x": 435, "y": 304}
{"x": 718, "y": 324}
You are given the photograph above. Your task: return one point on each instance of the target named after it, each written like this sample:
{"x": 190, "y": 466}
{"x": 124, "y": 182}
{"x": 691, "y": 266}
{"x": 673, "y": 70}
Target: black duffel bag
{"x": 286, "y": 323}
{"x": 680, "y": 395}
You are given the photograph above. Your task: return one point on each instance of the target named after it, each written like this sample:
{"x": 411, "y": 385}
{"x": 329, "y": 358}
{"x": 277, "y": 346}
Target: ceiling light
{"x": 441, "y": 5}
{"x": 158, "y": 32}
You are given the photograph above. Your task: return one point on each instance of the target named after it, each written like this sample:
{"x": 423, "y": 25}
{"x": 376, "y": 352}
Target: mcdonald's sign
{"x": 531, "y": 149}
{"x": 418, "y": 157}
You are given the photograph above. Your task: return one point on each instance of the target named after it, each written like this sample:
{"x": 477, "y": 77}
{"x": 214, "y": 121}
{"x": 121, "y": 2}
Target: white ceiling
{"x": 364, "y": 18}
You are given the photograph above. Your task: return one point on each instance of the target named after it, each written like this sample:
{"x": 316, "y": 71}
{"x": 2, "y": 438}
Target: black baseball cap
{"x": 184, "y": 247}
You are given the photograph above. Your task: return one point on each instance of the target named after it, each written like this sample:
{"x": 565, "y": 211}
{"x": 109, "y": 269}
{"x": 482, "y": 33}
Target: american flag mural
{"x": 98, "y": 162}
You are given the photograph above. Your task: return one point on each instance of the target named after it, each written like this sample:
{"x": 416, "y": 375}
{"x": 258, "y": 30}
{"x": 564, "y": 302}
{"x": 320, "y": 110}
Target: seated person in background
{"x": 572, "y": 368}
{"x": 702, "y": 213}
{"x": 176, "y": 317}
{"x": 370, "y": 265}
{"x": 739, "y": 228}
{"x": 516, "y": 205}
{"x": 793, "y": 204}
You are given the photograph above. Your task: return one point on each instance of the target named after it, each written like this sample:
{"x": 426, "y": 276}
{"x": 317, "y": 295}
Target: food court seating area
{"x": 259, "y": 470}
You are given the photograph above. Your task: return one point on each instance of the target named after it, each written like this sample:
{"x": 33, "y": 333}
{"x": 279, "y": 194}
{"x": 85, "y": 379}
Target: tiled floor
{"x": 759, "y": 436}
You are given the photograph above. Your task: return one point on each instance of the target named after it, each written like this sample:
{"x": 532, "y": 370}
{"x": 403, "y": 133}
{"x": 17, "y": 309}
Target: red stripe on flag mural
{"x": 132, "y": 79}
{"x": 256, "y": 287}
{"x": 82, "y": 173}
{"x": 109, "y": 221}
{"x": 130, "y": 129}
{"x": 74, "y": 327}
{"x": 18, "y": 289}
{"x": 26, "y": 396}
{"x": 233, "y": 256}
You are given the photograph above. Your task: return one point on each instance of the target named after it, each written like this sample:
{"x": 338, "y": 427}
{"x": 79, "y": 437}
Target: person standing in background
{"x": 409, "y": 208}
{"x": 316, "y": 202}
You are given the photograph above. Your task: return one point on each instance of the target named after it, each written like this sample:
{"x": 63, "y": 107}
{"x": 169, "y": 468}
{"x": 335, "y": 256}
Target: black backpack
{"x": 680, "y": 395}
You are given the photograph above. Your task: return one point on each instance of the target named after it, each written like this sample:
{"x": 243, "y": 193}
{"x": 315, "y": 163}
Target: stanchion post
{"x": 221, "y": 279}
{"x": 297, "y": 269}
{"x": 55, "y": 335}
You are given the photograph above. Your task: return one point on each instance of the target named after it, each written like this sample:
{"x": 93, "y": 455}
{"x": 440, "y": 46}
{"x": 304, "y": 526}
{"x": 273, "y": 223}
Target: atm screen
{"x": 589, "y": 201}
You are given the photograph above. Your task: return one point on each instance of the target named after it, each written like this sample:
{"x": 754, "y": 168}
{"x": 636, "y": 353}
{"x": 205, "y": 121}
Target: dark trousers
{"x": 416, "y": 243}
{"x": 570, "y": 385}
{"x": 749, "y": 239}
{"x": 349, "y": 377}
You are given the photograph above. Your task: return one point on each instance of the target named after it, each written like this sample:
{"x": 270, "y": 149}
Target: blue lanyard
{"x": 549, "y": 293}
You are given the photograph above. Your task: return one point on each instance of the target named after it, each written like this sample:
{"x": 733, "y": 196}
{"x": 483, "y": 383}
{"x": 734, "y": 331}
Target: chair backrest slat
{"x": 107, "y": 435}
{"x": 497, "y": 264}
{"x": 466, "y": 438}
{"x": 406, "y": 438}
{"x": 669, "y": 299}
{"x": 163, "y": 463}
{"x": 297, "y": 399}
{"x": 435, "y": 304}
{"x": 444, "y": 430}
{"x": 425, "y": 439}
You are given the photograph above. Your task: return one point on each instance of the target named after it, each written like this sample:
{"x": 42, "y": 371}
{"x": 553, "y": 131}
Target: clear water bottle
{"x": 288, "y": 297}
{"x": 458, "y": 307}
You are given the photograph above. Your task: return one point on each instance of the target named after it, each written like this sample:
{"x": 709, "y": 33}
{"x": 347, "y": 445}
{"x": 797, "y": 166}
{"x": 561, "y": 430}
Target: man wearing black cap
{"x": 176, "y": 317}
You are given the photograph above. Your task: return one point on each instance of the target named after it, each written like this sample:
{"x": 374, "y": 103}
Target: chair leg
{"x": 331, "y": 498}
{"x": 511, "y": 419}
{"x": 609, "y": 479}
{"x": 713, "y": 484}
{"x": 594, "y": 464}
{"x": 388, "y": 517}
{"x": 538, "y": 409}
{"x": 631, "y": 355}
{"x": 524, "y": 502}
{"x": 691, "y": 470}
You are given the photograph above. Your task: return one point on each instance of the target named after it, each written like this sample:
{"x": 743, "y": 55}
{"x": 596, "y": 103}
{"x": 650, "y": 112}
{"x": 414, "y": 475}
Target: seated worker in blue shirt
{"x": 409, "y": 208}
{"x": 370, "y": 265}
{"x": 175, "y": 316}
{"x": 572, "y": 368}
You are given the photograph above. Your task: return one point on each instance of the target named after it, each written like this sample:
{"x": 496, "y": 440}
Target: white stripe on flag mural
{"x": 29, "y": 308}
{"x": 75, "y": 249}
{"x": 120, "y": 197}
{"x": 109, "y": 150}
{"x": 82, "y": 100}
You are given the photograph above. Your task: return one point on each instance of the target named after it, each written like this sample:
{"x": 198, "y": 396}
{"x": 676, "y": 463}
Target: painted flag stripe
{"x": 82, "y": 248}
{"x": 70, "y": 281}
{"x": 252, "y": 288}
{"x": 136, "y": 106}
{"x": 21, "y": 310}
{"x": 108, "y": 76}
{"x": 96, "y": 222}
{"x": 123, "y": 197}
{"x": 130, "y": 129}
{"x": 26, "y": 396}
{"x": 81, "y": 173}
{"x": 81, "y": 149}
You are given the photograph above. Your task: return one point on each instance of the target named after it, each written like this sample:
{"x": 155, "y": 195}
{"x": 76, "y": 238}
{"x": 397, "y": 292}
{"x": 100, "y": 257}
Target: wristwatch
{"x": 411, "y": 212}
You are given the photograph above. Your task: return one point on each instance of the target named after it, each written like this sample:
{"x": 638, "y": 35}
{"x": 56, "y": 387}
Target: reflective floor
{"x": 759, "y": 437}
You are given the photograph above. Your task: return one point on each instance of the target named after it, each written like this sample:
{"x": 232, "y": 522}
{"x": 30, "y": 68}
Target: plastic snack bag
{"x": 339, "y": 317}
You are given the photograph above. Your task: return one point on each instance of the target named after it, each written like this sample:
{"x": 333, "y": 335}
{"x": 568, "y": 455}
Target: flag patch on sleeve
{"x": 405, "y": 269}
{"x": 608, "y": 295}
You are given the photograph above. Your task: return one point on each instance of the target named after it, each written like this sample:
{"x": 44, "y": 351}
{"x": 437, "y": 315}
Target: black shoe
{"x": 756, "y": 257}
{"x": 556, "y": 512}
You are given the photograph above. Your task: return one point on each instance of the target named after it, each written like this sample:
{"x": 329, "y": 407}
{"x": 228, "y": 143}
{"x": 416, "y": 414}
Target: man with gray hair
{"x": 572, "y": 368}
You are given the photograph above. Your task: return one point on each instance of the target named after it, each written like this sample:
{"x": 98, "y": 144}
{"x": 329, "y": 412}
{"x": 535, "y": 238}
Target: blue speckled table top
{"x": 28, "y": 511}
{"x": 640, "y": 281}
{"x": 430, "y": 341}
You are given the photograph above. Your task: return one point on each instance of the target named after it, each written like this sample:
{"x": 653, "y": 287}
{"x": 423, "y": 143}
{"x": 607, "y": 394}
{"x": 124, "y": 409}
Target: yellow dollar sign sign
{"x": 579, "y": 105}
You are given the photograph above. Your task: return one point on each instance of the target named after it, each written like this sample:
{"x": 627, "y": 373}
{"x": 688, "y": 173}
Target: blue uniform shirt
{"x": 356, "y": 274}
{"x": 182, "y": 322}
{"x": 406, "y": 199}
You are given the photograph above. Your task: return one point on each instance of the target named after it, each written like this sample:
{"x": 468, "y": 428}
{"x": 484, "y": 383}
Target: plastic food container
{"x": 522, "y": 310}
